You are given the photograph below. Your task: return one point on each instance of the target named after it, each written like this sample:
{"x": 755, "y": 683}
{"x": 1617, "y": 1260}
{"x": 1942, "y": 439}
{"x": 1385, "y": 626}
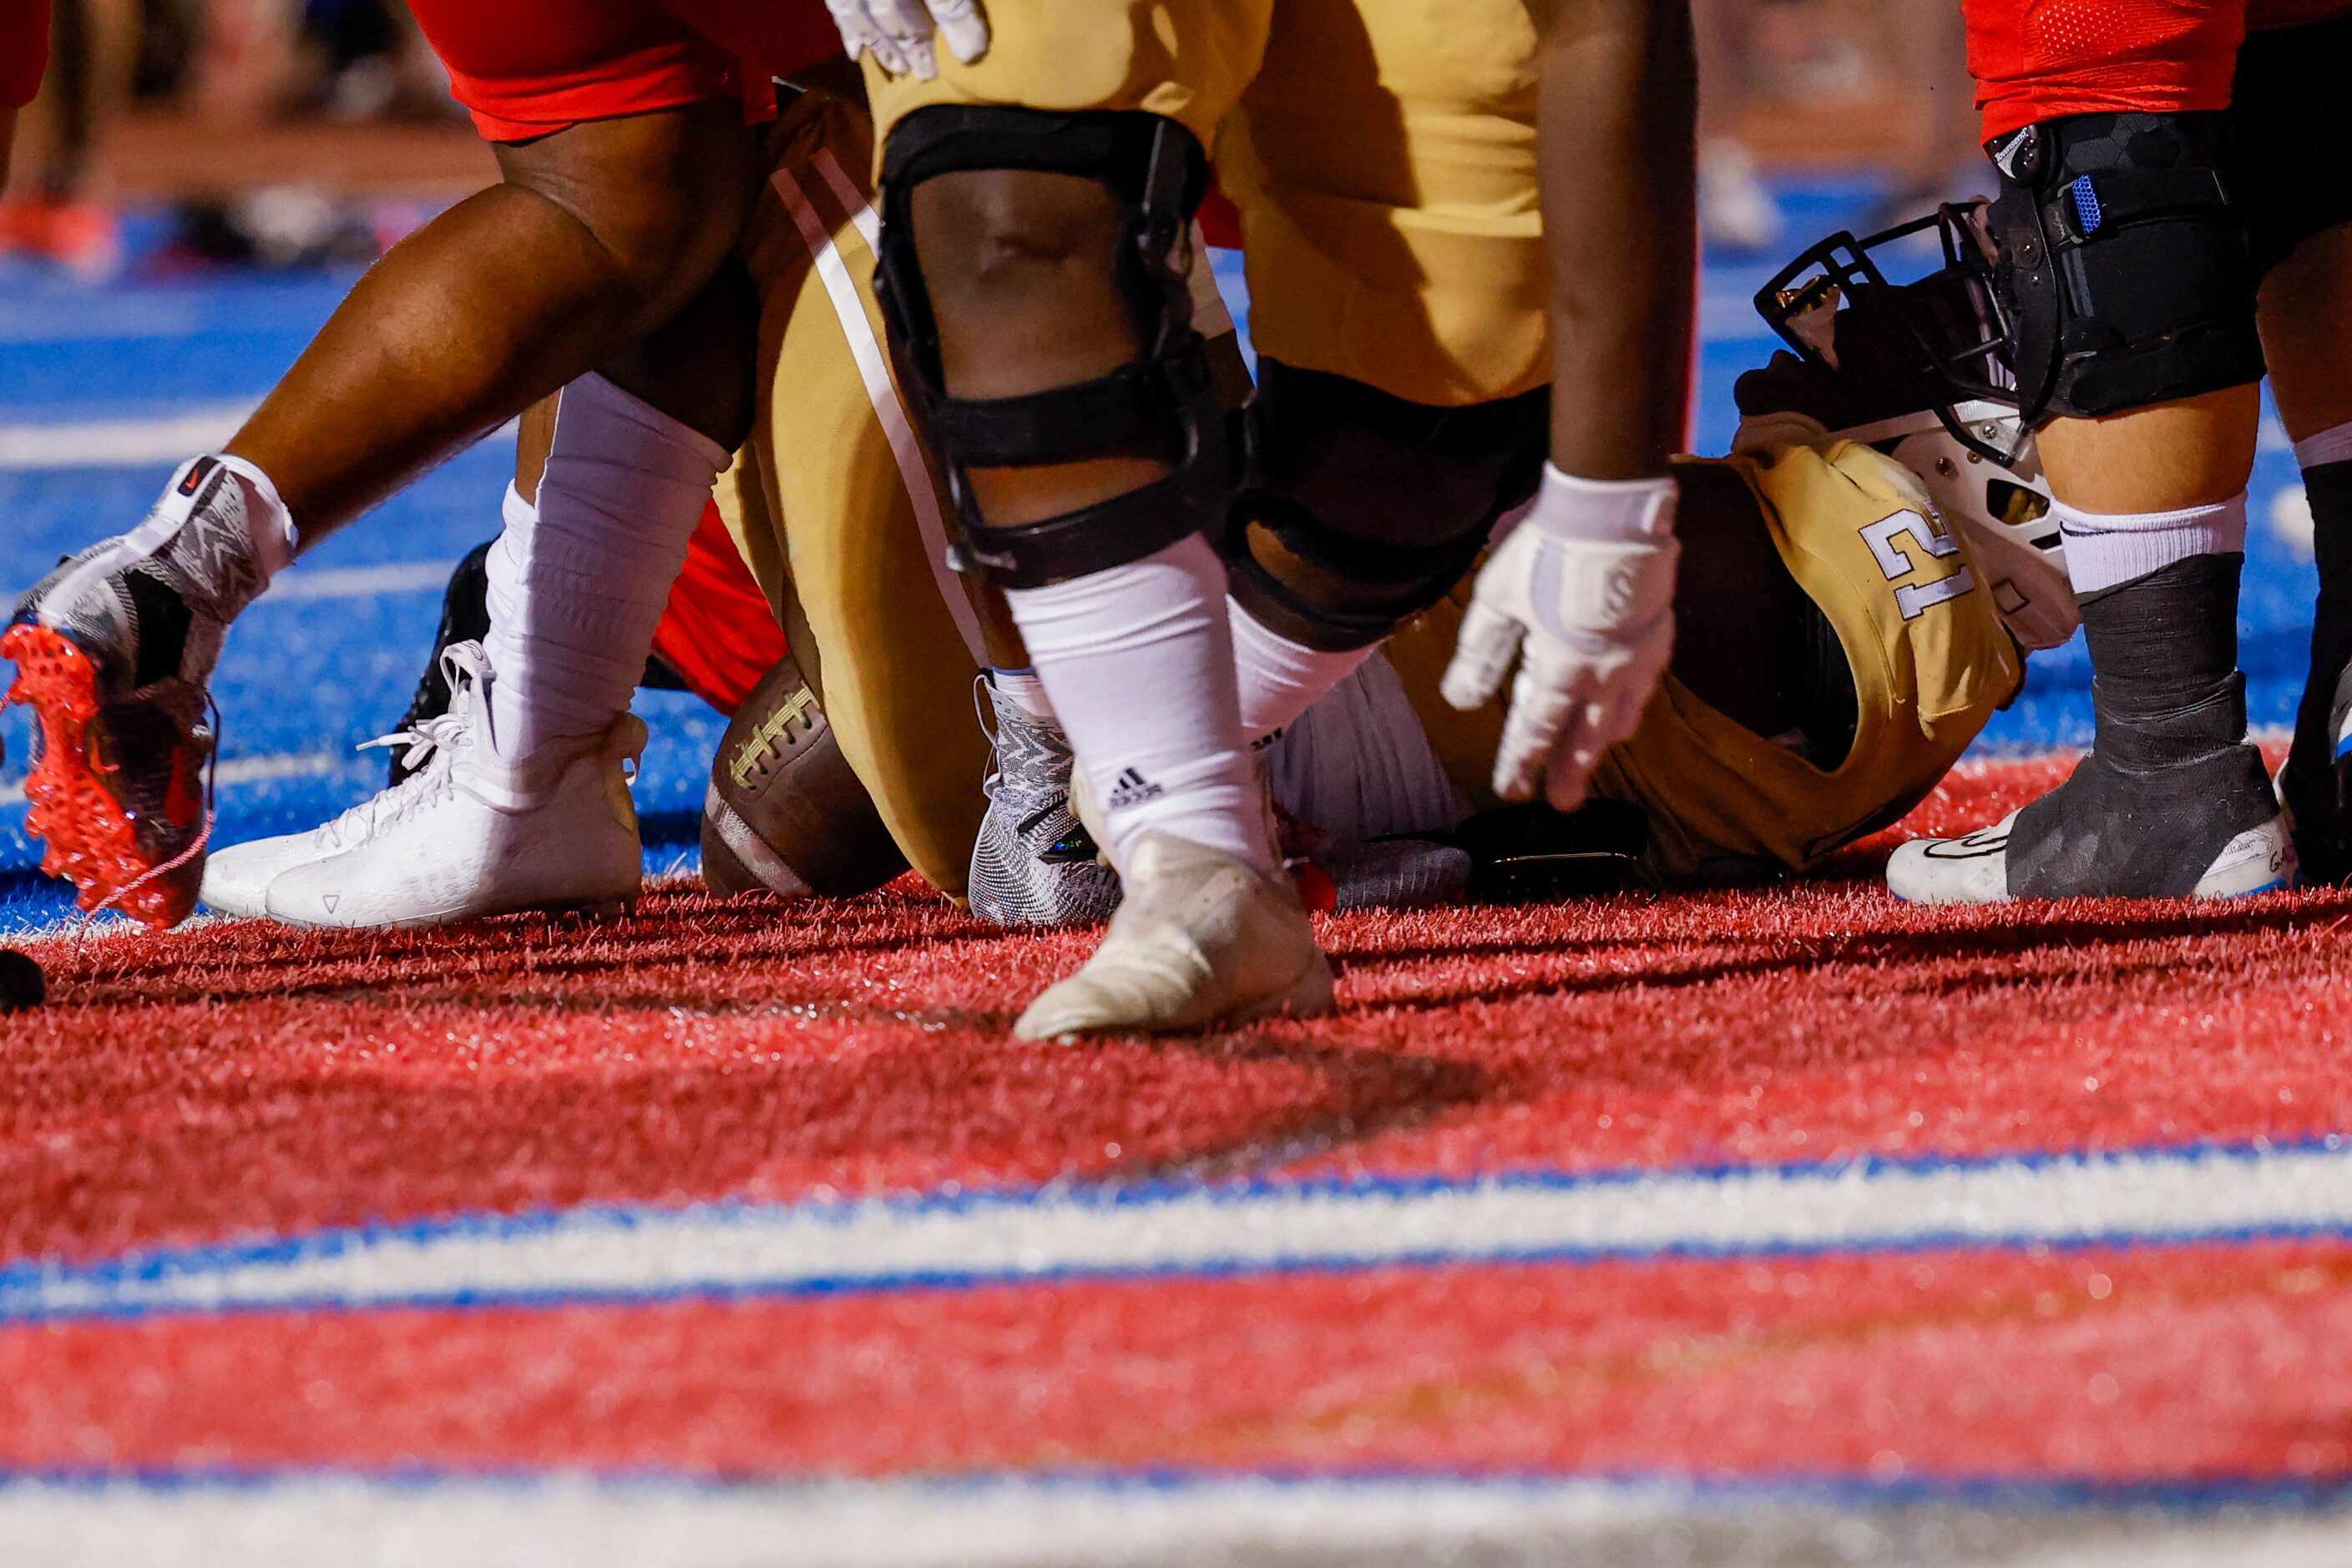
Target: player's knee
{"x": 1017, "y": 238}
{"x": 1368, "y": 509}
{"x": 662, "y": 197}
{"x": 2122, "y": 263}
{"x": 1034, "y": 267}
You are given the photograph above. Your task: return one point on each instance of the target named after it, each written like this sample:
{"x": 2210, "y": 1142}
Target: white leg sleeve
{"x": 577, "y": 583}
{"x": 1139, "y": 661}
{"x": 1280, "y": 679}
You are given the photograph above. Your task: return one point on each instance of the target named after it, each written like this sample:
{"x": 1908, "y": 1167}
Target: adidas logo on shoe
{"x": 1132, "y": 789}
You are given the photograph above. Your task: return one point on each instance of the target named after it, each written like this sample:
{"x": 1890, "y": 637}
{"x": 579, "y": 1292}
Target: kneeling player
{"x": 833, "y": 477}
{"x": 599, "y": 265}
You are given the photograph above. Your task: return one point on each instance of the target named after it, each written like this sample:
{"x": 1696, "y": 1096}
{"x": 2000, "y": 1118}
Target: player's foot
{"x": 1033, "y": 864}
{"x": 1201, "y": 939}
{"x": 474, "y": 833}
{"x": 113, "y": 651}
{"x": 2212, "y": 831}
{"x": 2171, "y": 803}
{"x": 238, "y": 878}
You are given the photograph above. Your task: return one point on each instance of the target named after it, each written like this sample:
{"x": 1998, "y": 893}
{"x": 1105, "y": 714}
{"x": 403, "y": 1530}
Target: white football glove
{"x": 898, "y": 33}
{"x": 1583, "y": 592}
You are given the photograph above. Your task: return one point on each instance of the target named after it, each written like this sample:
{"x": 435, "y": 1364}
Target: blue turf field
{"x": 327, "y": 660}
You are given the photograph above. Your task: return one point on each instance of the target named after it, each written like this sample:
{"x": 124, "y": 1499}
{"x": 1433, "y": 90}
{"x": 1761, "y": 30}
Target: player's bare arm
{"x": 1619, "y": 101}
{"x": 1580, "y": 593}
{"x": 594, "y": 237}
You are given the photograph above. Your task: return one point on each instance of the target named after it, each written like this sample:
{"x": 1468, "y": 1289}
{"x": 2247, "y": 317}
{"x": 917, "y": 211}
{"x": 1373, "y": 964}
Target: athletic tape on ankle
{"x": 2104, "y": 549}
{"x": 2333, "y": 445}
{"x": 578, "y": 580}
{"x": 281, "y": 539}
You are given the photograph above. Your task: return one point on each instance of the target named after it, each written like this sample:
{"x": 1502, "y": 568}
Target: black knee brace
{"x": 1165, "y": 402}
{"x": 1395, "y": 500}
{"x": 2123, "y": 264}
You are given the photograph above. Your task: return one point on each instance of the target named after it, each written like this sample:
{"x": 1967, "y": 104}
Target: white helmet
{"x": 2001, "y": 510}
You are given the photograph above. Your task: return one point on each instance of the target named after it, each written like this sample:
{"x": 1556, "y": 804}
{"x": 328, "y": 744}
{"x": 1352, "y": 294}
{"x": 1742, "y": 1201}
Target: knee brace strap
{"x": 2122, "y": 263}
{"x": 1401, "y": 582}
{"x": 1165, "y": 402}
{"x": 1401, "y": 529}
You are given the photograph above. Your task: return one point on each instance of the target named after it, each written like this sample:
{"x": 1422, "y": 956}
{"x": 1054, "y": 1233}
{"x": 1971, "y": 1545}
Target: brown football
{"x": 784, "y": 811}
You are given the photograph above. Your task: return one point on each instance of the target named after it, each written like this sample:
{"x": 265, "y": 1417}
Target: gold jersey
{"x": 1930, "y": 660}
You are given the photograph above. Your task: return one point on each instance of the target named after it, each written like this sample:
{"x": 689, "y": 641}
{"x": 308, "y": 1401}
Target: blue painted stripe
{"x": 28, "y": 1288}
{"x": 1792, "y": 1486}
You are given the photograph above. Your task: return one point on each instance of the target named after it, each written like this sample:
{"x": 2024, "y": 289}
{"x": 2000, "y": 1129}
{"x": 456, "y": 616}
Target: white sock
{"x": 577, "y": 583}
{"x": 1025, "y": 689}
{"x": 2333, "y": 445}
{"x": 2104, "y": 549}
{"x": 1139, "y": 663}
{"x": 1280, "y": 679}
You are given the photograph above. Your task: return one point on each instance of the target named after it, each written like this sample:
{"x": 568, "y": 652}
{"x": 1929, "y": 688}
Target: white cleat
{"x": 237, "y": 879}
{"x": 1974, "y": 869}
{"x": 1201, "y": 939}
{"x": 473, "y": 834}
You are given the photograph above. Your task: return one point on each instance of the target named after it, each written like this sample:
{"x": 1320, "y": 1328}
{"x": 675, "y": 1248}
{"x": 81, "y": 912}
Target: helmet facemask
{"x": 1933, "y": 343}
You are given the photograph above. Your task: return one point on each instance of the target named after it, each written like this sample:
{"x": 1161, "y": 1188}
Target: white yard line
{"x": 308, "y": 584}
{"x": 120, "y": 443}
{"x": 653, "y": 1254}
{"x": 580, "y": 1522}
{"x": 237, "y": 772}
{"x": 159, "y": 439}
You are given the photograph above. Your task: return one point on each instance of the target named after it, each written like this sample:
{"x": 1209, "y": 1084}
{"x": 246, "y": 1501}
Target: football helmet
{"x": 1919, "y": 371}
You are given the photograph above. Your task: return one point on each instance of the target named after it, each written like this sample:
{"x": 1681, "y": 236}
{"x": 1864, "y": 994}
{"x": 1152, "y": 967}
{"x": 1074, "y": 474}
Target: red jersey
{"x": 2041, "y": 59}
{"x": 527, "y": 68}
{"x": 24, "y": 50}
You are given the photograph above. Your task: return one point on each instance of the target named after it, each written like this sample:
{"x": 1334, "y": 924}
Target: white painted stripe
{"x": 874, "y": 367}
{"x": 310, "y": 585}
{"x": 237, "y": 772}
{"x": 639, "y": 1254}
{"x": 853, "y": 200}
{"x": 581, "y": 1523}
{"x": 121, "y": 443}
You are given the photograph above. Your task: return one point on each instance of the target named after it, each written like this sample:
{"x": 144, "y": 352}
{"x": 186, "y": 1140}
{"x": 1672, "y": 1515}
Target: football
{"x": 785, "y": 813}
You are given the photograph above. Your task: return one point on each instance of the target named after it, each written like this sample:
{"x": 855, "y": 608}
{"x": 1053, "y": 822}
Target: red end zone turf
{"x": 2132, "y": 1366}
{"x": 237, "y": 1082}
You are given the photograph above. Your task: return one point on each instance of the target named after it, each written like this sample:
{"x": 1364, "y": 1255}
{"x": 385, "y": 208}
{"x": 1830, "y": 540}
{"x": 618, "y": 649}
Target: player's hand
{"x": 898, "y": 33}
{"x": 1583, "y": 592}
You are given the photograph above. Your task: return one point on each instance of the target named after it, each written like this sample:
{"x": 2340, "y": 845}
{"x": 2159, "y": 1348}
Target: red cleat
{"x": 114, "y": 650}
{"x": 117, "y": 789}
